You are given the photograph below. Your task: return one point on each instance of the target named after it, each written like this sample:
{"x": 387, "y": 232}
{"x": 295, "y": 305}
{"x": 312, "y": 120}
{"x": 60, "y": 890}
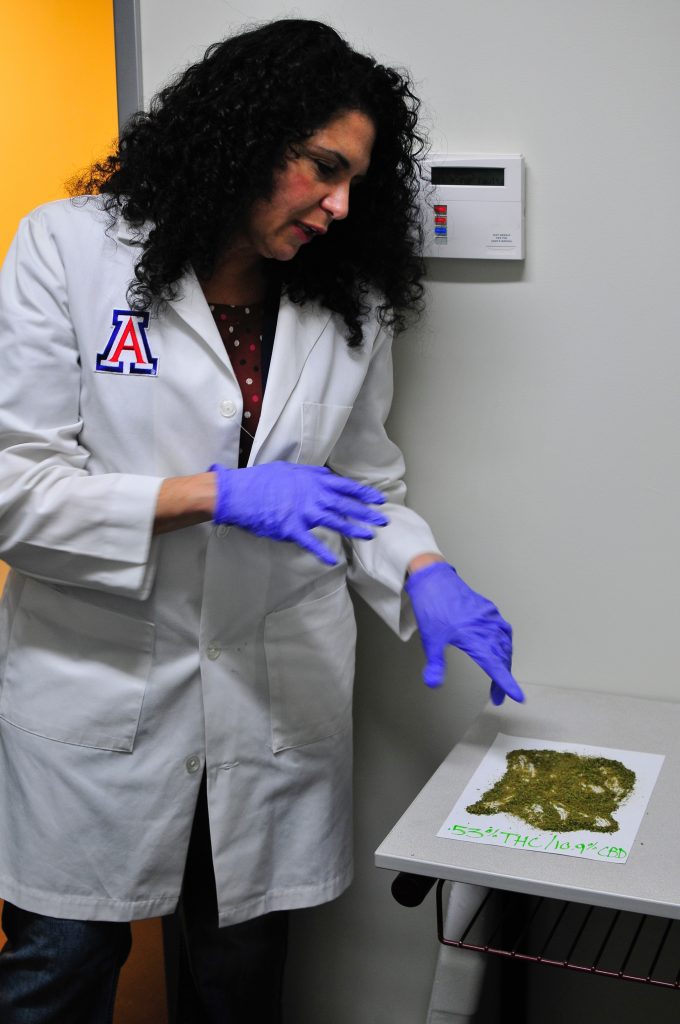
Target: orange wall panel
{"x": 58, "y": 107}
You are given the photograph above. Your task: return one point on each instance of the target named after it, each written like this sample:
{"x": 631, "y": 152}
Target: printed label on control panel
{"x": 501, "y": 239}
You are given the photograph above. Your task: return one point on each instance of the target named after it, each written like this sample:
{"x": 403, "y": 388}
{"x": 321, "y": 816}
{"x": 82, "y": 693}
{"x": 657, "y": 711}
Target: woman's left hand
{"x": 449, "y": 612}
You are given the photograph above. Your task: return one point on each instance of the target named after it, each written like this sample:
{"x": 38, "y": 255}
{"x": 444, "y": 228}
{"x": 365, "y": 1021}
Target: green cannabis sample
{"x": 559, "y": 791}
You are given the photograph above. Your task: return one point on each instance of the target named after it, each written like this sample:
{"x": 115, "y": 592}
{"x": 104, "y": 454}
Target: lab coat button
{"x": 222, "y": 530}
{"x": 228, "y": 408}
{"x": 214, "y": 653}
{"x": 192, "y": 764}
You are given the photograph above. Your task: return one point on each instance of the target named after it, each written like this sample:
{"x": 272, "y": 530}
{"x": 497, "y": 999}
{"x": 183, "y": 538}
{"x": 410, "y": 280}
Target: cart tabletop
{"x": 648, "y": 882}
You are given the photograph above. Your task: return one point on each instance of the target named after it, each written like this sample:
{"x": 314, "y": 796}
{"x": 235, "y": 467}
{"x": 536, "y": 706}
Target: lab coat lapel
{"x": 298, "y": 328}
{"x": 193, "y": 309}
{"x": 190, "y": 305}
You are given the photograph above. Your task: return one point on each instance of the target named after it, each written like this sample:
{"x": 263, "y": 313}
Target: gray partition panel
{"x": 128, "y": 58}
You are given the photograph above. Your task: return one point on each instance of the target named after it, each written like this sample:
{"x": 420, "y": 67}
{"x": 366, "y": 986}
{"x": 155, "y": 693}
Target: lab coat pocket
{"x": 310, "y": 665}
{"x": 322, "y": 426}
{"x": 75, "y": 672}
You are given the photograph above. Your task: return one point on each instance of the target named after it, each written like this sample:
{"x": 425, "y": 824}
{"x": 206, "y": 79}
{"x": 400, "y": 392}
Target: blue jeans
{"x": 228, "y": 975}
{"x": 53, "y": 970}
{"x": 56, "y": 971}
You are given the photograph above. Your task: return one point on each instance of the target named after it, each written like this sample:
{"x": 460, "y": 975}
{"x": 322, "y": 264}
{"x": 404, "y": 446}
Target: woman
{"x": 180, "y": 644}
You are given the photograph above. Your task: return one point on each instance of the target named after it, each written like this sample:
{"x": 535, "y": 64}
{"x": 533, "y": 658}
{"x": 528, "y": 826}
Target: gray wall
{"x": 537, "y": 405}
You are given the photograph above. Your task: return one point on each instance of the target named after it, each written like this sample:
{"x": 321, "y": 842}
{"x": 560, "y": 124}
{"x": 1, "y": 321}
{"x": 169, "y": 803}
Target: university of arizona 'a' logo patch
{"x": 127, "y": 350}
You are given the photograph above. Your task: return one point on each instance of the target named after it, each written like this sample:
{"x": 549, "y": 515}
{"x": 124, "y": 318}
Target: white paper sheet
{"x": 501, "y": 829}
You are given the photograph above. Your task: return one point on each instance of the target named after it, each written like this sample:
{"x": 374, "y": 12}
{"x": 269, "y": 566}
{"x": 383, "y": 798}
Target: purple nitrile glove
{"x": 449, "y": 612}
{"x": 286, "y": 500}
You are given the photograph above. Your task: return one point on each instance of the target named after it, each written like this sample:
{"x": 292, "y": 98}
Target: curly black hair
{"x": 210, "y": 146}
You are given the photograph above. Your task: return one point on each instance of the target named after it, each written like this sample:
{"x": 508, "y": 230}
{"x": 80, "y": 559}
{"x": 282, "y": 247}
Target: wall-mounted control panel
{"x": 473, "y": 206}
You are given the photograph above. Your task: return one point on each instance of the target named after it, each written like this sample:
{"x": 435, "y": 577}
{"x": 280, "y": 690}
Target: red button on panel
{"x": 440, "y": 209}
{"x": 440, "y": 220}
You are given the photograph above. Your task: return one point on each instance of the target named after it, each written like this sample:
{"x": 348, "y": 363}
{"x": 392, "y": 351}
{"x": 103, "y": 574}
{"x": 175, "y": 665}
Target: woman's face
{"x": 313, "y": 189}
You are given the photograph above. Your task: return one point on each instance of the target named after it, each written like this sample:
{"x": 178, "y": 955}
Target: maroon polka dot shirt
{"x": 241, "y": 329}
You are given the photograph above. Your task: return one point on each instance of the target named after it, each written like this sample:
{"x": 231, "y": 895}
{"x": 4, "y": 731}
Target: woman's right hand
{"x": 286, "y": 500}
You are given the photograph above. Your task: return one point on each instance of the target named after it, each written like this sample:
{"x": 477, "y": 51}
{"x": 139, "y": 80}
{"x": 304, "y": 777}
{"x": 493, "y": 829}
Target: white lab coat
{"x": 131, "y": 662}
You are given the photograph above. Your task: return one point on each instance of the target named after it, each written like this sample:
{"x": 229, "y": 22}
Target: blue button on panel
{"x": 440, "y": 231}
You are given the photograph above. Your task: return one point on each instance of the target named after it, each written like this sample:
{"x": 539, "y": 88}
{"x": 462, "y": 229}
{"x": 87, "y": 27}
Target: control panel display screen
{"x": 468, "y": 176}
